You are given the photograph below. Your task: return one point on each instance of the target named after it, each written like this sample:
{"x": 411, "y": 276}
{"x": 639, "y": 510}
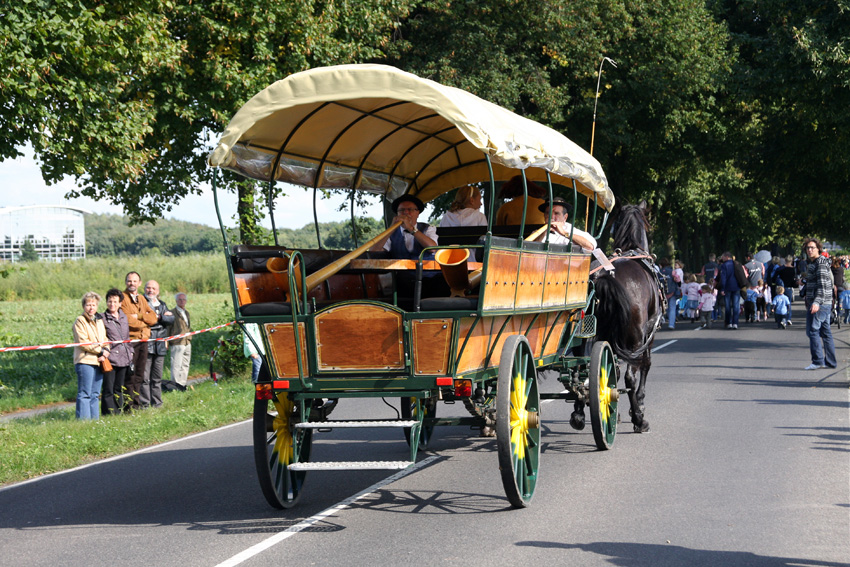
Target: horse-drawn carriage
{"x": 335, "y": 325}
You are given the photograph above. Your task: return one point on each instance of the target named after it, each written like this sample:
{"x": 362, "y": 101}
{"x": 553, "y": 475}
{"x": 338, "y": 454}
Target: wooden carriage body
{"x": 334, "y": 324}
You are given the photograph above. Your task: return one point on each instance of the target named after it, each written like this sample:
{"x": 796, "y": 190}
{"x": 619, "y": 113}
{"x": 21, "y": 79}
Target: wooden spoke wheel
{"x": 408, "y": 411}
{"x": 603, "y": 394}
{"x": 277, "y": 444}
{"x": 518, "y": 421}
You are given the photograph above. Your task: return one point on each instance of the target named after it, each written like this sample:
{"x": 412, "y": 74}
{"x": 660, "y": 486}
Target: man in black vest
{"x": 411, "y": 237}
{"x": 407, "y": 242}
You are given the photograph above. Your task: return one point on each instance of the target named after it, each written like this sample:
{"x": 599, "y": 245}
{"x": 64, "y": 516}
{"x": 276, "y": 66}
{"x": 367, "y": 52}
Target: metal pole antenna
{"x": 596, "y": 99}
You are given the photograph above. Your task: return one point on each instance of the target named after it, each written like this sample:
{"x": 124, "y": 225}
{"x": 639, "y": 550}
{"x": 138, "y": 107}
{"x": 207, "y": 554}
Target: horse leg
{"x": 641, "y": 425}
{"x": 631, "y": 386}
{"x": 577, "y": 417}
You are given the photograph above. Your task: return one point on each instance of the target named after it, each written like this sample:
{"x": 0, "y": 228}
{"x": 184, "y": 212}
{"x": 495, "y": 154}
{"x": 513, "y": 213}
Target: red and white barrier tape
{"x": 69, "y": 345}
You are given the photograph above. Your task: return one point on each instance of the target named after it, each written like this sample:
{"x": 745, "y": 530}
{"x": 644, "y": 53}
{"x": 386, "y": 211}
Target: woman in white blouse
{"x": 464, "y": 210}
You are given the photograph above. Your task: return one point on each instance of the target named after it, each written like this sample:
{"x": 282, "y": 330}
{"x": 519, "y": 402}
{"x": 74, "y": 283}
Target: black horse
{"x": 629, "y": 305}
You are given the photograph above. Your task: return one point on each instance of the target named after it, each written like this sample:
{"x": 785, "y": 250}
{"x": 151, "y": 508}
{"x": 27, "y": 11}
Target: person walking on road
{"x": 731, "y": 280}
{"x": 818, "y": 306}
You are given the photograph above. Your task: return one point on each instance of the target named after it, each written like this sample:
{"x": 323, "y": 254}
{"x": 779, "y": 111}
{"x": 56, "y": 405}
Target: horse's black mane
{"x": 632, "y": 228}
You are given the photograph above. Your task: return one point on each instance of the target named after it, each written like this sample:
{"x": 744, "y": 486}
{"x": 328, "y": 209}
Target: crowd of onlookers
{"x": 756, "y": 290}
{"x": 115, "y": 376}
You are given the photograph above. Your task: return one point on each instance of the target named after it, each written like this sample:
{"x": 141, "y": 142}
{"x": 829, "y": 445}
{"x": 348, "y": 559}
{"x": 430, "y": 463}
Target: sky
{"x": 21, "y": 184}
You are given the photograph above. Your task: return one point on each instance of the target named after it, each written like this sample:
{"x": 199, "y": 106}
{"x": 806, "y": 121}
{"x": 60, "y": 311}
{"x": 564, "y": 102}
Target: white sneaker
{"x": 734, "y": 326}
{"x": 814, "y": 366}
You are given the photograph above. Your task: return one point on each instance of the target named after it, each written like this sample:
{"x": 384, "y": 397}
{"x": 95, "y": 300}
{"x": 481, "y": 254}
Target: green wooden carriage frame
{"x": 377, "y": 129}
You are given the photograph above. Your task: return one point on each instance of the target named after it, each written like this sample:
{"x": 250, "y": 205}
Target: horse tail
{"x": 613, "y": 316}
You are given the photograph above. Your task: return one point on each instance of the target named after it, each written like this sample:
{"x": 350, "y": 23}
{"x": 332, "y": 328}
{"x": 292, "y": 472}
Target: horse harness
{"x": 646, "y": 260}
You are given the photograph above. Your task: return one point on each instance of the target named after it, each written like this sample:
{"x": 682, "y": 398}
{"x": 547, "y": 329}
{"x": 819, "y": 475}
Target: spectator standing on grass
{"x": 120, "y": 354}
{"x": 140, "y": 317}
{"x": 88, "y": 328}
{"x": 181, "y": 349}
{"x": 151, "y": 393}
{"x": 819, "y": 287}
{"x": 253, "y": 349}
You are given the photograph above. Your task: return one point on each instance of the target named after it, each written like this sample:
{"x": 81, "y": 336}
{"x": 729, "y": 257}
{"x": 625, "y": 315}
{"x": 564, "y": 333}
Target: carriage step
{"x": 350, "y": 465}
{"x": 353, "y": 424}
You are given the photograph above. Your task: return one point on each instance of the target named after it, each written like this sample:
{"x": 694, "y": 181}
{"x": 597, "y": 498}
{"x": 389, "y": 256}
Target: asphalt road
{"x": 747, "y": 464}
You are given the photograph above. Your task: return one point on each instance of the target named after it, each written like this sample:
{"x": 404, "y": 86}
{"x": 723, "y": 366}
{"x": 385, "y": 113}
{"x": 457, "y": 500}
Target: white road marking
{"x": 553, "y": 399}
{"x": 119, "y": 457}
{"x": 291, "y": 531}
{"x": 668, "y": 343}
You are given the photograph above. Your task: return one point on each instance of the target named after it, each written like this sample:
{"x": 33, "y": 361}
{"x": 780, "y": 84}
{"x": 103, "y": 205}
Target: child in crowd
{"x": 706, "y": 306}
{"x": 781, "y": 304}
{"x": 762, "y": 300}
{"x": 692, "y": 289}
{"x": 750, "y": 305}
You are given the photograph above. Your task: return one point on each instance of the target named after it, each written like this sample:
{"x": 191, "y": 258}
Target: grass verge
{"x": 55, "y": 440}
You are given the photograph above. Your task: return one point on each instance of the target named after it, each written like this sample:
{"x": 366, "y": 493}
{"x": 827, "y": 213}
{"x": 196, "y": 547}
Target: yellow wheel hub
{"x": 605, "y": 395}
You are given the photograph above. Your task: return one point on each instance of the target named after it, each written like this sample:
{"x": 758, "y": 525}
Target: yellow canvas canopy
{"x": 379, "y": 129}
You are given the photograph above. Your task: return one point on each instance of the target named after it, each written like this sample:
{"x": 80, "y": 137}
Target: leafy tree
{"x": 127, "y": 98}
{"x": 28, "y": 252}
{"x": 791, "y": 94}
{"x": 655, "y": 108}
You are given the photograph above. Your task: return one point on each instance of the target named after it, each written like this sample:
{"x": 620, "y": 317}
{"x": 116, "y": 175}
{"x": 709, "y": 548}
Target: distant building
{"x": 57, "y": 232}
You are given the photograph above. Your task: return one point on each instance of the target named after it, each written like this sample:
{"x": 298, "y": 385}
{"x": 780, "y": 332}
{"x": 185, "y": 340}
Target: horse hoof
{"x": 577, "y": 420}
{"x": 642, "y": 427}
{"x": 488, "y": 431}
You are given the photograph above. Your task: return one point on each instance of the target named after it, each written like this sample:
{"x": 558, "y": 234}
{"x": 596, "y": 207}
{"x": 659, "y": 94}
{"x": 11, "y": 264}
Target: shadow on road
{"x": 654, "y": 555}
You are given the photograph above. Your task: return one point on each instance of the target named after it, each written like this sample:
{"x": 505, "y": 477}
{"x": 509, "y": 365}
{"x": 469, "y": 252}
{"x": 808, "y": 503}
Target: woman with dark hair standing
{"x": 120, "y": 355}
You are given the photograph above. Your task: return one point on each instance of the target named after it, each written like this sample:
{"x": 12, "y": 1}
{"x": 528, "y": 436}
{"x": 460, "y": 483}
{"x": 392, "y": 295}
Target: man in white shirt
{"x": 559, "y": 230}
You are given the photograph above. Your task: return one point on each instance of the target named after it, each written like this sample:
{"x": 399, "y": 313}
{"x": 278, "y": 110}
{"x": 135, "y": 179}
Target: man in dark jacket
{"x": 151, "y": 393}
{"x": 819, "y": 284}
{"x": 730, "y": 280}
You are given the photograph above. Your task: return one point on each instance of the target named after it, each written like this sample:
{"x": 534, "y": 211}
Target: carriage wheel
{"x": 604, "y": 396}
{"x": 276, "y": 445}
{"x": 518, "y": 421}
{"x": 408, "y": 411}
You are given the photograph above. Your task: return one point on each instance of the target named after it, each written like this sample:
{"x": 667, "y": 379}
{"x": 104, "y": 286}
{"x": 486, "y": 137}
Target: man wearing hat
{"x": 559, "y": 231}
{"x": 407, "y": 242}
{"x": 412, "y": 236}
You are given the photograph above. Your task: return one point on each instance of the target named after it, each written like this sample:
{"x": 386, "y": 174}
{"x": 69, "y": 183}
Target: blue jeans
{"x": 256, "y": 363}
{"x": 89, "y": 381}
{"x": 817, "y": 329}
{"x": 672, "y": 306}
{"x": 732, "y": 302}
{"x": 789, "y": 293}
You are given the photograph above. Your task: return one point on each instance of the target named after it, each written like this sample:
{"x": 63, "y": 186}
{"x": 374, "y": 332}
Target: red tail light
{"x": 463, "y": 388}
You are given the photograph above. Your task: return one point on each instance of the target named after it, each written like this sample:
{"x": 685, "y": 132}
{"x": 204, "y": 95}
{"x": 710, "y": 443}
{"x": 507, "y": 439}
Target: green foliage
{"x": 191, "y": 273}
{"x": 125, "y": 98}
{"x": 32, "y": 378}
{"x": 112, "y": 235}
{"x": 28, "y": 252}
